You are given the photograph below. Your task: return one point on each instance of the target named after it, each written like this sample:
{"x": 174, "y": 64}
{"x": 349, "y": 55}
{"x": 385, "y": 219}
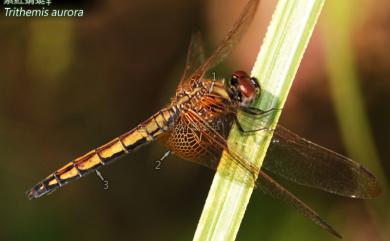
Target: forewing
{"x": 195, "y": 57}
{"x": 309, "y": 164}
{"x": 230, "y": 40}
{"x": 217, "y": 141}
{"x": 265, "y": 183}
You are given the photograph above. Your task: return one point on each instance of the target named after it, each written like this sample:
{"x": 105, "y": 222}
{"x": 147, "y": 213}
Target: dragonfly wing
{"x": 230, "y": 40}
{"x": 195, "y": 57}
{"x": 275, "y": 190}
{"x": 265, "y": 182}
{"x": 309, "y": 164}
{"x": 218, "y": 142}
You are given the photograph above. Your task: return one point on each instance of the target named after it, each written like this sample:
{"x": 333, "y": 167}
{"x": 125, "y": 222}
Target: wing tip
{"x": 331, "y": 230}
{"x": 267, "y": 183}
{"x": 374, "y": 189}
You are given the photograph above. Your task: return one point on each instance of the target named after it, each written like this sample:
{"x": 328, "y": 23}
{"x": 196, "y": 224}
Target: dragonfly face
{"x": 195, "y": 126}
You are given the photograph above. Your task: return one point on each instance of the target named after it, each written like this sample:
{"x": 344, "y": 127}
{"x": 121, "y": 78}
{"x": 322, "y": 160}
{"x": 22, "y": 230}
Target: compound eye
{"x": 237, "y": 76}
{"x": 247, "y": 88}
{"x": 241, "y": 74}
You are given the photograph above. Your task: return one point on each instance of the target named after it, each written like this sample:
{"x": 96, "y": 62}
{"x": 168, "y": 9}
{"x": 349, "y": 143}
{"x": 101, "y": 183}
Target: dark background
{"x": 68, "y": 85}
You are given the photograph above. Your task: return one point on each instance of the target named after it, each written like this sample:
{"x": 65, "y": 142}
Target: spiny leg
{"x": 257, "y": 111}
{"x": 242, "y": 129}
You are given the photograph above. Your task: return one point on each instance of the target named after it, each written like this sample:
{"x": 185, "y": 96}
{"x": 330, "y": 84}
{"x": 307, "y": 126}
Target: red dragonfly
{"x": 195, "y": 125}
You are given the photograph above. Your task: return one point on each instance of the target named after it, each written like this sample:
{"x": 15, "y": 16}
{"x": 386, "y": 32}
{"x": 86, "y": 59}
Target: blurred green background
{"x": 71, "y": 84}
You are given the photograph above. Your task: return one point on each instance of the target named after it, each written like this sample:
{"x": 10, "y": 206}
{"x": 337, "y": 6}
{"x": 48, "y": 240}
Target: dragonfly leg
{"x": 257, "y": 111}
{"x": 242, "y": 129}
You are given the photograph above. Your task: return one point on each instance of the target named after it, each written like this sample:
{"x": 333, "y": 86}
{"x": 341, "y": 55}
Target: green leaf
{"x": 276, "y": 65}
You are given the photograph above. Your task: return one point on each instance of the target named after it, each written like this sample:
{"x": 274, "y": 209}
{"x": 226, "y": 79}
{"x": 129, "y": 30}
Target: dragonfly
{"x": 195, "y": 125}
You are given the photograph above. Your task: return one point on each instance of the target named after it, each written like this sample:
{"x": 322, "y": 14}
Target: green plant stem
{"x": 276, "y": 65}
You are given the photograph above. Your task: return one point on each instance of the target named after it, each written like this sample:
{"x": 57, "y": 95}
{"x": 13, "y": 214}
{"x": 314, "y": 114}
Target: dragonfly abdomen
{"x": 141, "y": 135}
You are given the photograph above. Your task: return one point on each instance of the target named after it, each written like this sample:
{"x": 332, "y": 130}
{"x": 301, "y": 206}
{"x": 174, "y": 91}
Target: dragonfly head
{"x": 243, "y": 88}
